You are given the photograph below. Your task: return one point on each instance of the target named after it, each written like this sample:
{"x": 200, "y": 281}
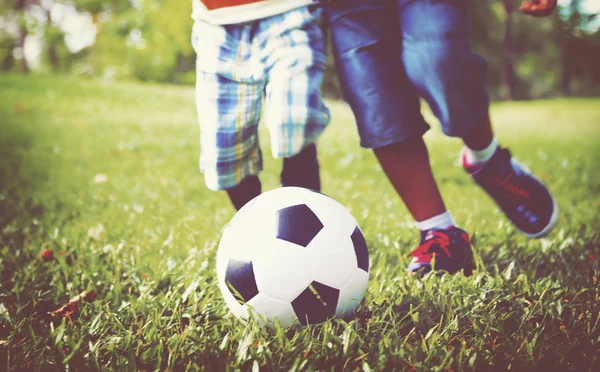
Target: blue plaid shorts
{"x": 280, "y": 60}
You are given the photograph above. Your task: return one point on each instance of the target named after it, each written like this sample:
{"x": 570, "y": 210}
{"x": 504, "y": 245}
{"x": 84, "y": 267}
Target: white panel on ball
{"x": 352, "y": 294}
{"x": 280, "y": 243}
{"x": 333, "y": 270}
{"x": 330, "y": 240}
{"x": 331, "y": 213}
{"x": 282, "y": 270}
{"x": 265, "y": 207}
{"x": 235, "y": 244}
{"x": 270, "y": 308}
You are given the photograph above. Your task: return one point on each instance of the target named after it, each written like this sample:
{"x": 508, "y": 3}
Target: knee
{"x": 452, "y": 81}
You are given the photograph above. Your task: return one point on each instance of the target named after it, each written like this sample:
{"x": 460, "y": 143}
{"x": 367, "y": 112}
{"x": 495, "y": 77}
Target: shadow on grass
{"x": 22, "y": 176}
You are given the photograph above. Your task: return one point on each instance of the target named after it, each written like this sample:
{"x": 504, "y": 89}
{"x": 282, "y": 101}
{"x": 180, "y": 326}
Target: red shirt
{"x": 217, "y": 4}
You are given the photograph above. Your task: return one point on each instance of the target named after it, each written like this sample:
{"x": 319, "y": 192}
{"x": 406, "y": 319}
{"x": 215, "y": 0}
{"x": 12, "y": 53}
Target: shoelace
{"x": 423, "y": 254}
{"x": 510, "y": 186}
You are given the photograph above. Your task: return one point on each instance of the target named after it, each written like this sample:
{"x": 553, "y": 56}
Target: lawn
{"x": 105, "y": 176}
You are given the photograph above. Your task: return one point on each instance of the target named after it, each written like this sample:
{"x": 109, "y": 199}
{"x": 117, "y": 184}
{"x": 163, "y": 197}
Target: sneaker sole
{"x": 546, "y": 230}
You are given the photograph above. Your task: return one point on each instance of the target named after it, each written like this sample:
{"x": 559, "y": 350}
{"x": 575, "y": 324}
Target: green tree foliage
{"x": 150, "y": 40}
{"x": 143, "y": 40}
{"x": 579, "y": 51}
{"x": 167, "y": 54}
{"x": 7, "y": 44}
{"x": 15, "y": 25}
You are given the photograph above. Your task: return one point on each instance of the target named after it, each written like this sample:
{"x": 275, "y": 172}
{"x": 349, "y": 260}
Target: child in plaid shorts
{"x": 250, "y": 51}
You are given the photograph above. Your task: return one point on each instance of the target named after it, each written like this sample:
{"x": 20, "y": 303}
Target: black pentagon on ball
{"x": 360, "y": 249}
{"x": 316, "y": 303}
{"x": 240, "y": 280}
{"x": 297, "y": 224}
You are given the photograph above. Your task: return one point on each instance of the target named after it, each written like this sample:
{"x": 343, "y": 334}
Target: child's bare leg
{"x": 481, "y": 136}
{"x": 245, "y": 191}
{"x": 407, "y": 166}
{"x": 480, "y": 144}
{"x": 302, "y": 170}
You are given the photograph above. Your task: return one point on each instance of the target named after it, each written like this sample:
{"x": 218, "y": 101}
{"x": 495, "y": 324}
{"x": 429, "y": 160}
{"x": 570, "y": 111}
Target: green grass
{"x": 144, "y": 236}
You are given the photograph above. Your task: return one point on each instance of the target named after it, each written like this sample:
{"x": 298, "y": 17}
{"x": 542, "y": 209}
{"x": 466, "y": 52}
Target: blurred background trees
{"x": 149, "y": 40}
{"x": 539, "y": 57}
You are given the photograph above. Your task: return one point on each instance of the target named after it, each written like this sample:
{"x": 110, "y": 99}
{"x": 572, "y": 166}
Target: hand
{"x": 538, "y": 8}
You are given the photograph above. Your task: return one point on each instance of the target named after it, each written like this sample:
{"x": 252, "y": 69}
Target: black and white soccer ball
{"x": 294, "y": 255}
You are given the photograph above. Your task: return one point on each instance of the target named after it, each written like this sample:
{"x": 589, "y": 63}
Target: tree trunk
{"x": 509, "y": 71}
{"x": 9, "y": 60}
{"x": 567, "y": 47}
{"x": 21, "y": 45}
{"x": 92, "y": 50}
{"x": 21, "y": 7}
{"x": 52, "y": 48}
{"x": 566, "y": 64}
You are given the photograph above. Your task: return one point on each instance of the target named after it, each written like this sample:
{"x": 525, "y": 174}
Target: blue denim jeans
{"x": 390, "y": 53}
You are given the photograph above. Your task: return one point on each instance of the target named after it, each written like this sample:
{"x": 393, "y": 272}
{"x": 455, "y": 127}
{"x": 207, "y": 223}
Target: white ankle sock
{"x": 441, "y": 221}
{"x": 480, "y": 157}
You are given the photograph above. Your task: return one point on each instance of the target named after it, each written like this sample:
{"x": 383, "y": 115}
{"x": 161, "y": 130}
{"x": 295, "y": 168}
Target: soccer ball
{"x": 294, "y": 255}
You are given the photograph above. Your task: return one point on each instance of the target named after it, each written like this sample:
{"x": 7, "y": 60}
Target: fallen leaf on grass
{"x": 73, "y": 306}
{"x": 47, "y": 255}
{"x": 90, "y": 296}
{"x": 19, "y": 109}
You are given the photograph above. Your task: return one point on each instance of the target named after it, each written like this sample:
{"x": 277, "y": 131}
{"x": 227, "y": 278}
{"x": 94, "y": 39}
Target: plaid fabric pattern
{"x": 277, "y": 60}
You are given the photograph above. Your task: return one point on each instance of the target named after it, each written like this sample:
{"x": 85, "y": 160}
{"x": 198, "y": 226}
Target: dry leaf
{"x": 19, "y": 109}
{"x": 47, "y": 255}
{"x": 73, "y": 306}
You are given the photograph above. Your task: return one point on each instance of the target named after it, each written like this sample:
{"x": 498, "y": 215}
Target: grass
{"x": 105, "y": 175}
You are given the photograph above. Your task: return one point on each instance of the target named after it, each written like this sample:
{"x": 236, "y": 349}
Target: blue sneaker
{"x": 526, "y": 202}
{"x": 443, "y": 250}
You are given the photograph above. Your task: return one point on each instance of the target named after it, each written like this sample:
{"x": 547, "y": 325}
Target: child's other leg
{"x": 294, "y": 110}
{"x": 407, "y": 166}
{"x": 245, "y": 191}
{"x": 302, "y": 170}
{"x": 386, "y": 106}
{"x": 451, "y": 78}
{"x": 481, "y": 136}
{"x": 387, "y": 110}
